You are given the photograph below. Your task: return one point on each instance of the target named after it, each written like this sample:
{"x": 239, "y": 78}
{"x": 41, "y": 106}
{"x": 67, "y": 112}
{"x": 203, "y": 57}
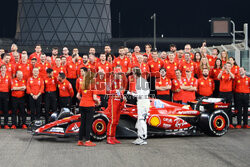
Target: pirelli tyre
{"x": 99, "y": 127}
{"x": 214, "y": 124}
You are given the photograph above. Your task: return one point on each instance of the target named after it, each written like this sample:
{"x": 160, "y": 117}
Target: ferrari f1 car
{"x": 208, "y": 116}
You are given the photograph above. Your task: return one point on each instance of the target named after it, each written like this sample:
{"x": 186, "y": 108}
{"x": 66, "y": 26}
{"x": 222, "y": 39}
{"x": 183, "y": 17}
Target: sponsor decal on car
{"x": 180, "y": 123}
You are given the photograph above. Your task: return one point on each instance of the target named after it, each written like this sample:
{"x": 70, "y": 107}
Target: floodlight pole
{"x": 154, "y": 17}
{"x": 246, "y": 36}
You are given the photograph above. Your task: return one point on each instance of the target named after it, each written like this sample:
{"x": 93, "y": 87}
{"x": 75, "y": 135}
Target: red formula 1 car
{"x": 208, "y": 116}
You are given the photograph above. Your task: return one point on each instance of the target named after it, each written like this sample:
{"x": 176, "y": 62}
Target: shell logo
{"x": 155, "y": 120}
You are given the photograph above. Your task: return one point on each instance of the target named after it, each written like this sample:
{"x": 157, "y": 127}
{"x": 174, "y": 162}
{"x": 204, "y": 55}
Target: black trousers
{"x": 131, "y": 99}
{"x": 228, "y": 97}
{"x": 216, "y": 88}
{"x": 18, "y": 104}
{"x": 4, "y": 105}
{"x": 73, "y": 83}
{"x": 35, "y": 107}
{"x": 163, "y": 97}
{"x": 242, "y": 107}
{"x": 151, "y": 80}
{"x": 50, "y": 103}
{"x": 87, "y": 114}
{"x": 104, "y": 100}
{"x": 65, "y": 102}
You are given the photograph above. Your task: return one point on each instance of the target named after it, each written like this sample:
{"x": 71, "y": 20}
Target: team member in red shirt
{"x": 171, "y": 66}
{"x": 10, "y": 67}
{"x": 14, "y": 51}
{"x": 5, "y": 82}
{"x": 66, "y": 55}
{"x": 205, "y": 84}
{"x": 214, "y": 75}
{"x": 87, "y": 96}
{"x": 176, "y": 87}
{"x": 64, "y": 60}
{"x": 18, "y": 87}
{"x": 54, "y": 55}
{"x": 148, "y": 49}
{"x": 164, "y": 56}
{"x": 86, "y": 64}
{"x": 107, "y": 50}
{"x": 136, "y": 52}
{"x": 50, "y": 84}
{"x": 66, "y": 91}
{"x": 226, "y": 87}
{"x": 224, "y": 57}
{"x": 213, "y": 57}
{"x": 188, "y": 48}
{"x": 173, "y": 48}
{"x": 242, "y": 90}
{"x": 123, "y": 61}
{"x": 155, "y": 65}
{"x": 93, "y": 60}
{"x": 71, "y": 70}
{"x": 57, "y": 68}
{"x": 115, "y": 89}
{"x": 103, "y": 64}
{"x": 92, "y": 51}
{"x": 37, "y": 53}
{"x": 24, "y": 66}
{"x": 43, "y": 66}
{"x": 35, "y": 88}
{"x": 197, "y": 60}
{"x": 143, "y": 66}
{"x": 163, "y": 85}
{"x": 188, "y": 63}
{"x": 189, "y": 87}
{"x": 235, "y": 68}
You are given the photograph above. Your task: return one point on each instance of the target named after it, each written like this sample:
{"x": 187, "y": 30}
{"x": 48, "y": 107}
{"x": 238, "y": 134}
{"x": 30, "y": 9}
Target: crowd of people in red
{"x": 26, "y": 81}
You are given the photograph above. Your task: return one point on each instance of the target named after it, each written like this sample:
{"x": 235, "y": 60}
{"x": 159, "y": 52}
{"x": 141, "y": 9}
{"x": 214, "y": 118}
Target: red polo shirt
{"x": 155, "y": 67}
{"x": 50, "y": 84}
{"x": 170, "y": 68}
{"x": 42, "y": 69}
{"x": 125, "y": 63}
{"x": 18, "y": 83}
{"x": 242, "y": 85}
{"x": 5, "y": 83}
{"x": 189, "y": 95}
{"x": 226, "y": 82}
{"x": 205, "y": 86}
{"x": 186, "y": 65}
{"x": 162, "y": 82}
{"x": 57, "y": 70}
{"x": 65, "y": 89}
{"x": 35, "y": 86}
{"x": 176, "y": 84}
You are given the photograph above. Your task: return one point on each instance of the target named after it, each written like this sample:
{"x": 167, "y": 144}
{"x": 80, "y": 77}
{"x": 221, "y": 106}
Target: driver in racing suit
{"x": 143, "y": 104}
{"x": 115, "y": 90}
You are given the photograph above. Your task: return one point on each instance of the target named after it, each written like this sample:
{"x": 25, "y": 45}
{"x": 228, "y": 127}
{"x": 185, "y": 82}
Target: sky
{"x": 178, "y": 18}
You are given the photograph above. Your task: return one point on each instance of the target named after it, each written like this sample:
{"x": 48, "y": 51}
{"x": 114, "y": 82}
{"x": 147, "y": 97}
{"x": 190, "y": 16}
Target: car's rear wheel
{"x": 218, "y": 123}
{"x": 99, "y": 127}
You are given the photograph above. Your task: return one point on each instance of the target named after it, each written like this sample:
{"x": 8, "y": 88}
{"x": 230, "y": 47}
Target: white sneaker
{"x": 140, "y": 141}
{"x": 136, "y": 140}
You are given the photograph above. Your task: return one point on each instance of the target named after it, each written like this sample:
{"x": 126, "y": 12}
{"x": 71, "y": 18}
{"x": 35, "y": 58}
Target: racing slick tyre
{"x": 216, "y": 124}
{"x": 99, "y": 127}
